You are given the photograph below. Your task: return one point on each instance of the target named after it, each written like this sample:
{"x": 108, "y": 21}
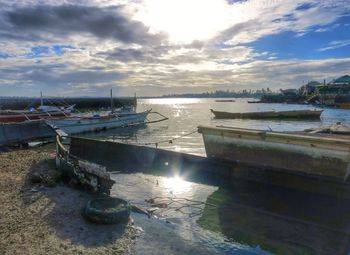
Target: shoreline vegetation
{"x": 245, "y": 93}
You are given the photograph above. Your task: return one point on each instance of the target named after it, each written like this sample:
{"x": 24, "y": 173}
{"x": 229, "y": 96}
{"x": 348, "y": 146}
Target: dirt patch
{"x": 40, "y": 216}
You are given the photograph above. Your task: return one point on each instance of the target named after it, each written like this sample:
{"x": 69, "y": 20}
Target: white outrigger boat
{"x": 88, "y": 123}
{"x": 300, "y": 153}
{"x": 96, "y": 122}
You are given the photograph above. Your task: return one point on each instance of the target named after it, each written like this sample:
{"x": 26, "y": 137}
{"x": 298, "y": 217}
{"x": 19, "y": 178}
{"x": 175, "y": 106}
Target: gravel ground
{"x": 46, "y": 219}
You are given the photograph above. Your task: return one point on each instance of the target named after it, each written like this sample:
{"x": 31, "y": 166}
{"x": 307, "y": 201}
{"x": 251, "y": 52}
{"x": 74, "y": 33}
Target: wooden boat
{"x": 225, "y": 100}
{"x": 337, "y": 128}
{"x": 342, "y": 105}
{"x": 294, "y": 114}
{"x": 254, "y": 102}
{"x": 306, "y": 154}
{"x": 7, "y": 116}
{"x": 42, "y": 112}
{"x": 88, "y": 123}
{"x": 95, "y": 122}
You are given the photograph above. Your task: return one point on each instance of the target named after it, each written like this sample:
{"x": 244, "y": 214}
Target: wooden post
{"x": 112, "y": 105}
{"x": 41, "y": 99}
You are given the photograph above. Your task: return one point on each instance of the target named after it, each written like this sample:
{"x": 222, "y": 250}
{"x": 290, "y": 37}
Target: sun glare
{"x": 186, "y": 20}
{"x": 175, "y": 102}
{"x": 176, "y": 185}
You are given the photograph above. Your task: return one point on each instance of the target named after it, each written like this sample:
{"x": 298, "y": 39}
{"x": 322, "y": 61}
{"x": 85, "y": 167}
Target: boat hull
{"x": 300, "y": 154}
{"x": 76, "y": 125}
{"x": 28, "y": 131}
{"x": 298, "y": 114}
{"x": 225, "y": 100}
{"x": 342, "y": 105}
{"x": 10, "y": 117}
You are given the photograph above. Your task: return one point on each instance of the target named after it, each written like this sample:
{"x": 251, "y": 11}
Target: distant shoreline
{"x": 179, "y": 96}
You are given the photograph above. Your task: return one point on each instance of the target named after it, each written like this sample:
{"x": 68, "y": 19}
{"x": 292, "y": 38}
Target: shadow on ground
{"x": 61, "y": 207}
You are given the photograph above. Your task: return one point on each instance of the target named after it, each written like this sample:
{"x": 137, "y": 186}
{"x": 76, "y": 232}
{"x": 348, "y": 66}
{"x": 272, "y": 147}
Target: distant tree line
{"x": 226, "y": 93}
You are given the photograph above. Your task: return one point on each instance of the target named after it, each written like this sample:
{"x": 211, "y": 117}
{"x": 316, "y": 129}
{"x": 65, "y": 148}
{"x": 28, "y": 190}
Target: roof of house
{"x": 343, "y": 79}
{"x": 314, "y": 83}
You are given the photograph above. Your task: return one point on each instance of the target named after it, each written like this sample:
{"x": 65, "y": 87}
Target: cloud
{"x": 87, "y": 46}
{"x": 327, "y": 28}
{"x": 272, "y": 17}
{"x": 67, "y": 20}
{"x": 335, "y": 45}
{"x": 58, "y": 75}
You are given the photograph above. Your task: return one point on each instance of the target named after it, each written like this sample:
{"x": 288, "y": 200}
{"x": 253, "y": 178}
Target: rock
{"x": 138, "y": 209}
{"x": 152, "y": 210}
{"x": 161, "y": 205}
{"x": 48, "y": 177}
{"x": 34, "y": 190}
{"x": 51, "y": 177}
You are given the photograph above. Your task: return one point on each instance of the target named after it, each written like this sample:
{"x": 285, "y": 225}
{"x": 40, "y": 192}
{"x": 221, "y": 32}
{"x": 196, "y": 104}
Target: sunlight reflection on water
{"x": 171, "y": 101}
{"x": 176, "y": 185}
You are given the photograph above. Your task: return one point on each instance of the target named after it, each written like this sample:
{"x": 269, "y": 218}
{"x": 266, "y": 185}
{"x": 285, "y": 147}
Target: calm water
{"x": 239, "y": 218}
{"x": 235, "y": 217}
{"x": 185, "y": 114}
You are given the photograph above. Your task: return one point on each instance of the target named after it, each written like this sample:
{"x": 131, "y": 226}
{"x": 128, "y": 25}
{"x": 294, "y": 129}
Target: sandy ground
{"x": 37, "y": 219}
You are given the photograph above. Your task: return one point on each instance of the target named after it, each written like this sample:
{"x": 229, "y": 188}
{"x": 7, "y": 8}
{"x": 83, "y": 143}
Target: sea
{"x": 238, "y": 217}
{"x": 186, "y": 114}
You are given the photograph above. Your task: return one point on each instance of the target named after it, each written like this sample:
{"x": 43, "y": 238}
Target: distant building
{"x": 309, "y": 88}
{"x": 336, "y": 93}
{"x": 339, "y": 86}
{"x": 344, "y": 80}
{"x": 289, "y": 92}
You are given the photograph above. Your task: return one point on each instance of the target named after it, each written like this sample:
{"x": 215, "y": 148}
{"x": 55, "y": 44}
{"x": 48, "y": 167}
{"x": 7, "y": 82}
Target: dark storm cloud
{"x": 74, "y": 77}
{"x": 58, "y": 74}
{"x": 148, "y": 53}
{"x": 60, "y": 21}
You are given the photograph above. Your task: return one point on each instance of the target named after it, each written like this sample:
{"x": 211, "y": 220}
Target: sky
{"x": 156, "y": 47}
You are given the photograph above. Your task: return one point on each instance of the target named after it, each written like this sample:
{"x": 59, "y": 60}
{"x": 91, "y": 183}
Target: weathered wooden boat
{"x": 117, "y": 156}
{"x": 344, "y": 105}
{"x": 337, "y": 128}
{"x": 40, "y": 113}
{"x": 254, "y": 102}
{"x": 295, "y": 114}
{"x": 225, "y": 100}
{"x": 317, "y": 155}
{"x": 88, "y": 123}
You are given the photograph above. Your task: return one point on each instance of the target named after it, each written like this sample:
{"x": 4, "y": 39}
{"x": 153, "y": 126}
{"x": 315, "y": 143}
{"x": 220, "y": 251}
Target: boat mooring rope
{"x": 169, "y": 140}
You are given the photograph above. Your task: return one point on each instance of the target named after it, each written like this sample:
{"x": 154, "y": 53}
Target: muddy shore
{"x": 38, "y": 218}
